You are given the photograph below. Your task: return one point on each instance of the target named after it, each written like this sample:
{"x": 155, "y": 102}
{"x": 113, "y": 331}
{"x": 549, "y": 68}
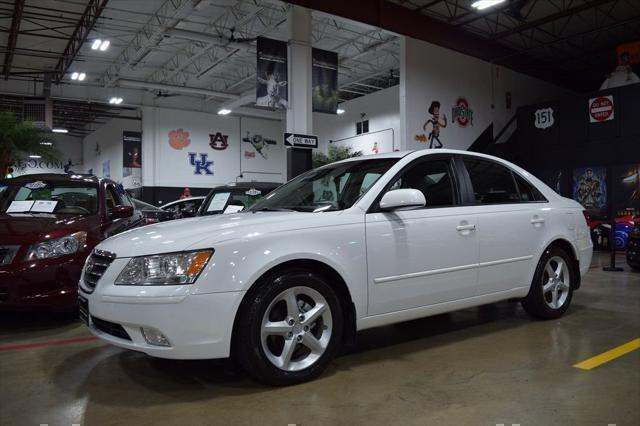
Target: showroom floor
{"x": 483, "y": 366}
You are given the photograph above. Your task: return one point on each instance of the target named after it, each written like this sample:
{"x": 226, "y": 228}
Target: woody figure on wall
{"x": 436, "y": 125}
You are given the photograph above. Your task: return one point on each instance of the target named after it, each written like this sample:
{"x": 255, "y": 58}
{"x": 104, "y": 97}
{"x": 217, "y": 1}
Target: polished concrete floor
{"x": 485, "y": 366}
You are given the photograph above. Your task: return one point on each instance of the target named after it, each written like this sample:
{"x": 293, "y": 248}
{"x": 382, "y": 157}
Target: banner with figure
{"x": 324, "y": 72}
{"x": 271, "y": 74}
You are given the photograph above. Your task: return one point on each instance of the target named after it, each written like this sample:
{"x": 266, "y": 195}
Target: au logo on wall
{"x": 461, "y": 113}
{"x": 218, "y": 141}
{"x": 543, "y": 118}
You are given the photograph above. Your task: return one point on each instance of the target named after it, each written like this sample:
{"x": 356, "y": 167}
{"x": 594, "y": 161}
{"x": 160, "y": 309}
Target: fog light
{"x": 154, "y": 337}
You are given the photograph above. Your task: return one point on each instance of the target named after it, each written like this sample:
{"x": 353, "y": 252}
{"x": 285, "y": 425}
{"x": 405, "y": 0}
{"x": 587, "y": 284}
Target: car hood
{"x": 207, "y": 231}
{"x": 26, "y": 228}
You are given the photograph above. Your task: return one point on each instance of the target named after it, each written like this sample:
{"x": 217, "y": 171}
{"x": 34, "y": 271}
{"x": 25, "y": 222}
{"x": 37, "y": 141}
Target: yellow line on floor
{"x": 610, "y": 355}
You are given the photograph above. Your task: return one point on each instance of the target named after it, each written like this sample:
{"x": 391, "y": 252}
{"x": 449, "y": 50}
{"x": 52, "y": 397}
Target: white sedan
{"x": 356, "y": 244}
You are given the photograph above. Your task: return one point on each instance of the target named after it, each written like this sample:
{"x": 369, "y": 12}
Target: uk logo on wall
{"x": 461, "y": 113}
{"x": 543, "y": 118}
{"x": 601, "y": 109}
{"x": 218, "y": 141}
{"x": 202, "y": 165}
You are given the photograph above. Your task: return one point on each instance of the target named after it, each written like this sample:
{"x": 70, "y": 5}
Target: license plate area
{"x": 83, "y": 304}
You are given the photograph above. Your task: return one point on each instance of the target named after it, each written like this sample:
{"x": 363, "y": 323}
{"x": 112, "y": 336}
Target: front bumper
{"x": 50, "y": 284}
{"x": 196, "y": 326}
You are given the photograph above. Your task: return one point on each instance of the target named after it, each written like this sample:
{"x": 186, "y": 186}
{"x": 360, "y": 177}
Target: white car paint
{"x": 398, "y": 266}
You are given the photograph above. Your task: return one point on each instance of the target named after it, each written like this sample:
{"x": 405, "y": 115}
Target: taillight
{"x": 150, "y": 220}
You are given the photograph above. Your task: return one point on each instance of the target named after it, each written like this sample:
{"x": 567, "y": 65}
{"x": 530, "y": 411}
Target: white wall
{"x": 382, "y": 109}
{"x": 70, "y": 150}
{"x": 164, "y": 165}
{"x": 105, "y": 144}
{"x": 431, "y": 73}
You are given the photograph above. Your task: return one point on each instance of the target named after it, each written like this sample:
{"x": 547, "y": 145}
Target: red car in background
{"x": 49, "y": 223}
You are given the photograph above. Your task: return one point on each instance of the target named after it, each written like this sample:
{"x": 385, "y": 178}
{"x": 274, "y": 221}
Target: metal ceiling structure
{"x": 576, "y": 36}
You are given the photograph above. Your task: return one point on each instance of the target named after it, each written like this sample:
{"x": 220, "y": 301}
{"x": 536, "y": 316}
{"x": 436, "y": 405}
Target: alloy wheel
{"x": 556, "y": 281}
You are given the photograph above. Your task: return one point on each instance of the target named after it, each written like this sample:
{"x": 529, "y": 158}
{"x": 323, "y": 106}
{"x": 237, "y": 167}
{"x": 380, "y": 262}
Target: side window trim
{"x": 455, "y": 181}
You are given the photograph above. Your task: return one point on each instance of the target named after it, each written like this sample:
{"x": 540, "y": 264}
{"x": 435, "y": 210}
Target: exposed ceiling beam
{"x": 175, "y": 89}
{"x": 550, "y": 18}
{"x": 91, "y": 14}
{"x": 13, "y": 37}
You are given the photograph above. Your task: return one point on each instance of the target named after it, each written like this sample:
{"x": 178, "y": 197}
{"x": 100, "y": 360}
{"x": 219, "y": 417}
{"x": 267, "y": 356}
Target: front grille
{"x": 96, "y": 265}
{"x": 110, "y": 328}
{"x": 7, "y": 253}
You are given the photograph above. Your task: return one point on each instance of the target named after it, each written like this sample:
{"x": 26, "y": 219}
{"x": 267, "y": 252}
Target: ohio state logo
{"x": 461, "y": 113}
{"x": 218, "y": 141}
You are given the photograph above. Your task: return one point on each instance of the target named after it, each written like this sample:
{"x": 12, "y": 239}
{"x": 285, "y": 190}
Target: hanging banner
{"x": 131, "y": 159}
{"x": 271, "y": 74}
{"x": 324, "y": 74}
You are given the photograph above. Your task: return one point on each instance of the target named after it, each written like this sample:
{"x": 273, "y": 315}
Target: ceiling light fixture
{"x": 104, "y": 45}
{"x": 59, "y": 130}
{"x": 339, "y": 111}
{"x": 115, "y": 101}
{"x": 485, "y": 4}
{"x": 47, "y": 143}
{"x": 35, "y": 156}
{"x": 96, "y": 44}
{"x": 99, "y": 44}
{"x": 81, "y": 76}
{"x": 224, "y": 111}
{"x": 74, "y": 76}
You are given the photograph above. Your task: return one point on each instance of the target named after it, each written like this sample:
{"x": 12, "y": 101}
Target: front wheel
{"x": 290, "y": 329}
{"x": 552, "y": 287}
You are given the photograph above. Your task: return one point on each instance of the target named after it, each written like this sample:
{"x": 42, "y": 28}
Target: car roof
{"x": 57, "y": 177}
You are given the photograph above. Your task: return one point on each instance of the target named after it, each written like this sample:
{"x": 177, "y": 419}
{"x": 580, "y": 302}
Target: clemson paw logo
{"x": 421, "y": 138}
{"x": 179, "y": 139}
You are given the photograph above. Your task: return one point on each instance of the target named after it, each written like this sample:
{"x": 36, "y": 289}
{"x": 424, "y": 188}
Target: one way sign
{"x": 303, "y": 141}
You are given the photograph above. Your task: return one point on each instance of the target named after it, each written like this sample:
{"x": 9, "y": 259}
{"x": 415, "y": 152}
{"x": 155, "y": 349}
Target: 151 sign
{"x": 543, "y": 118}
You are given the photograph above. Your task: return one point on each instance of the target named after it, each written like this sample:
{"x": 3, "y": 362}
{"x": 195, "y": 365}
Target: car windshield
{"x": 231, "y": 200}
{"x": 329, "y": 188}
{"x": 49, "y": 196}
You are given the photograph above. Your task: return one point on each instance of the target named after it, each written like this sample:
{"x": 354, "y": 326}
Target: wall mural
{"x": 218, "y": 141}
{"x": 260, "y": 145}
{"x": 202, "y": 166}
{"x": 436, "y": 123}
{"x": 179, "y": 139}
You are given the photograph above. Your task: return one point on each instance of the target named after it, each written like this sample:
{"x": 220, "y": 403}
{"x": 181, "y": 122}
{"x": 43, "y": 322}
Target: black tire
{"x": 536, "y": 302}
{"x": 248, "y": 345}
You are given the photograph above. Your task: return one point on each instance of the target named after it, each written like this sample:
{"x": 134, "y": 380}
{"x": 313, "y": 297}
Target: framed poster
{"x": 625, "y": 189}
{"x": 590, "y": 189}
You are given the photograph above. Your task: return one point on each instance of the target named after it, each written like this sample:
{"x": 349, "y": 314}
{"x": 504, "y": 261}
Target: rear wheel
{"x": 552, "y": 287}
{"x": 290, "y": 329}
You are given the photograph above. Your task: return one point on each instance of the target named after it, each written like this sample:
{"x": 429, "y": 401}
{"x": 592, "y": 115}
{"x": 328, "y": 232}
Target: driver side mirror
{"x": 402, "y": 199}
{"x": 121, "y": 212}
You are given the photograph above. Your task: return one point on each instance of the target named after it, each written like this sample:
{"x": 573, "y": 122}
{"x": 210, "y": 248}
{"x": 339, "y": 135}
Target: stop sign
{"x": 601, "y": 109}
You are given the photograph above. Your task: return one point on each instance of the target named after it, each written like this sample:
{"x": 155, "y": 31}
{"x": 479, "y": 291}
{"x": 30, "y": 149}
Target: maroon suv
{"x": 49, "y": 223}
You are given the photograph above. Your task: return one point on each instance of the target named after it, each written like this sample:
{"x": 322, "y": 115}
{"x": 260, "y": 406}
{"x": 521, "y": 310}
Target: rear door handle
{"x": 466, "y": 228}
{"x": 537, "y": 220}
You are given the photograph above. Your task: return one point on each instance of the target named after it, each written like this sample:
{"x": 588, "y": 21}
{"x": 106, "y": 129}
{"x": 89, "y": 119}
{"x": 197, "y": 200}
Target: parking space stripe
{"x": 609, "y": 355}
{"x": 47, "y": 343}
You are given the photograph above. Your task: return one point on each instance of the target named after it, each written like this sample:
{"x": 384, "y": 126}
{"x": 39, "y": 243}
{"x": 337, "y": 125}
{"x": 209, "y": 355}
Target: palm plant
{"x": 19, "y": 139}
{"x": 336, "y": 153}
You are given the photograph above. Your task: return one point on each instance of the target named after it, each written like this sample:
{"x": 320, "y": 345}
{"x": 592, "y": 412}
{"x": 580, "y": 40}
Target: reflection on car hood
{"x": 206, "y": 231}
{"x": 26, "y": 228}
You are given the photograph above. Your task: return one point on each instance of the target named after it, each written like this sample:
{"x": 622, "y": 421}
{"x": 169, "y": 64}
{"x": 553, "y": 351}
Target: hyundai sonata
{"x": 356, "y": 244}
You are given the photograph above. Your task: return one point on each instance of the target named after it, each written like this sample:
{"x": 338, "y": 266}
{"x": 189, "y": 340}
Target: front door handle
{"x": 469, "y": 227}
{"x": 537, "y": 220}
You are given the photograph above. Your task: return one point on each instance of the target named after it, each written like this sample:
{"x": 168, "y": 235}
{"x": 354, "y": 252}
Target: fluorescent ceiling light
{"x": 224, "y": 111}
{"x": 35, "y": 156}
{"x": 104, "y": 45}
{"x": 339, "y": 111}
{"x": 75, "y": 76}
{"x": 58, "y": 130}
{"x": 485, "y": 4}
{"x": 115, "y": 101}
{"x": 81, "y": 76}
{"x": 96, "y": 44}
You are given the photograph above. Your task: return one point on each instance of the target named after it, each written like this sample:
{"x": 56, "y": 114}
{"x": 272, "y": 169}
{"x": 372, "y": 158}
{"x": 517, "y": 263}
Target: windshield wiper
{"x": 272, "y": 209}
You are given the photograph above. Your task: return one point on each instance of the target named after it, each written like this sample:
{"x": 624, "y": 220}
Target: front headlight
{"x": 164, "y": 269}
{"x": 62, "y": 246}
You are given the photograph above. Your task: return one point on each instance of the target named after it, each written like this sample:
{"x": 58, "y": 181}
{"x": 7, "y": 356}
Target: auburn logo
{"x": 218, "y": 141}
{"x": 179, "y": 139}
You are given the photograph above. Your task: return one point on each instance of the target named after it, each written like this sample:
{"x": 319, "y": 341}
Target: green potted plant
{"x": 19, "y": 139}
